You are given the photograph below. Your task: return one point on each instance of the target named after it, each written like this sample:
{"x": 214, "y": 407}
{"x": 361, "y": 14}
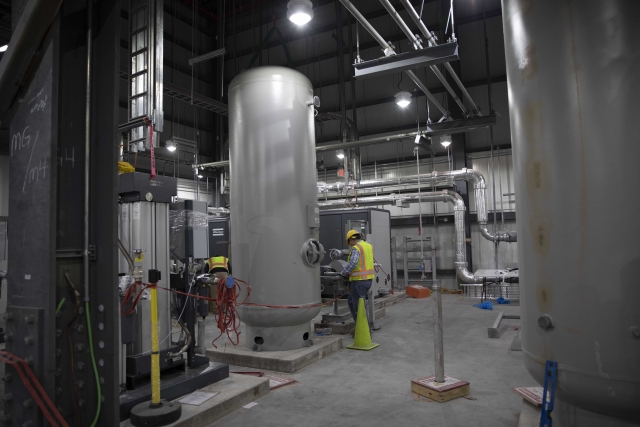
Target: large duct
{"x": 274, "y": 226}
{"x": 439, "y": 196}
{"x": 573, "y": 97}
{"x": 434, "y": 178}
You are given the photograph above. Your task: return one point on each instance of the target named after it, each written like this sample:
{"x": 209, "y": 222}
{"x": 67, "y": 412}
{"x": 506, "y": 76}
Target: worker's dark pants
{"x": 359, "y": 289}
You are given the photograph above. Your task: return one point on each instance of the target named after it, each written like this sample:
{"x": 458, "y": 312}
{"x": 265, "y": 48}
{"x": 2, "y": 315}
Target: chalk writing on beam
{"x": 69, "y": 156}
{"x": 40, "y": 105}
{"x": 33, "y": 174}
{"x": 20, "y": 140}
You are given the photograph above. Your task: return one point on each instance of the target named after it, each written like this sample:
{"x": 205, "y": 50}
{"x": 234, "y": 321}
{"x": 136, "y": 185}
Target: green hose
{"x": 60, "y": 305}
{"x": 95, "y": 368}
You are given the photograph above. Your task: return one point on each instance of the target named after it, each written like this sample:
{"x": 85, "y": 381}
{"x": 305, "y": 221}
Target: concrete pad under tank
{"x": 288, "y": 361}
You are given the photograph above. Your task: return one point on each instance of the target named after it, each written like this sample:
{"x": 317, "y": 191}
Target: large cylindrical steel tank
{"x": 573, "y": 73}
{"x": 274, "y": 231}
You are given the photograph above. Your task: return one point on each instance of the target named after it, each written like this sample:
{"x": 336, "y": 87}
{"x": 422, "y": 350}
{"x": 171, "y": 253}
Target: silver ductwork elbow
{"x": 465, "y": 275}
{"x": 480, "y": 191}
{"x": 507, "y": 236}
{"x": 461, "y": 251}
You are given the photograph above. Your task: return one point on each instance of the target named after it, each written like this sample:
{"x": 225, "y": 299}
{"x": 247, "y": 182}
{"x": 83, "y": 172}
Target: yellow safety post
{"x": 157, "y": 412}
{"x": 155, "y": 356}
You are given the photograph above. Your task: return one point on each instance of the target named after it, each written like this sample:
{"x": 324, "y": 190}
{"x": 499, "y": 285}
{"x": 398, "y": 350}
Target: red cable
{"x": 385, "y": 273}
{"x": 127, "y": 296}
{"x": 227, "y": 317}
{"x": 153, "y": 157}
{"x": 7, "y": 357}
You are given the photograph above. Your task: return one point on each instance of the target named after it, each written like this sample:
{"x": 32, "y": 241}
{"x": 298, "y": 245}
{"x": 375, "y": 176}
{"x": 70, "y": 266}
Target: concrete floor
{"x": 354, "y": 388}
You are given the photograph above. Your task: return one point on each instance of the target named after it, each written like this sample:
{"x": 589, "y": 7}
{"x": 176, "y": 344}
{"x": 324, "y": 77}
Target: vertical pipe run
{"x": 434, "y": 274}
{"x": 420, "y": 215}
{"x": 348, "y": 154}
{"x": 496, "y": 242}
{"x": 438, "y": 343}
{"x": 87, "y": 152}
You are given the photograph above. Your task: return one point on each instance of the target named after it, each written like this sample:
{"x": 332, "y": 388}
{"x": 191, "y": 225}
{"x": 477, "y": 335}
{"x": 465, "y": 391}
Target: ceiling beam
{"x": 371, "y": 45}
{"x": 439, "y": 89}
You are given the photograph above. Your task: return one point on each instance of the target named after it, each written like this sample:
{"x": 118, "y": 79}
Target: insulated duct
{"x": 434, "y": 178}
{"x": 439, "y": 196}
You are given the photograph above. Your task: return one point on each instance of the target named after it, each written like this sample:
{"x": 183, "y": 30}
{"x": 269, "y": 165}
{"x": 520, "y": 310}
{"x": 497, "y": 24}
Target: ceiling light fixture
{"x": 445, "y": 140}
{"x": 340, "y": 154}
{"x": 199, "y": 176}
{"x": 417, "y": 140}
{"x": 4, "y": 48}
{"x": 403, "y": 98}
{"x": 300, "y": 11}
{"x": 171, "y": 146}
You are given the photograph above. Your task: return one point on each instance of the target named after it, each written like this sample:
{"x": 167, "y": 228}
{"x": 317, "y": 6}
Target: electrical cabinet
{"x": 219, "y": 238}
{"x": 375, "y": 226}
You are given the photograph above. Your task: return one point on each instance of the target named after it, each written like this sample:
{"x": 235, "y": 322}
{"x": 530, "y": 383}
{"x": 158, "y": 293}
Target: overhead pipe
{"x": 465, "y": 174}
{"x": 389, "y": 51}
{"x": 434, "y": 129}
{"x": 433, "y": 42}
{"x": 334, "y": 147}
{"x": 439, "y": 196}
{"x": 417, "y": 44}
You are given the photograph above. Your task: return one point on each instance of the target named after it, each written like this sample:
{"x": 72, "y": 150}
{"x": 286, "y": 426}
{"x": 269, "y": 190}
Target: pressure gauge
{"x": 149, "y": 197}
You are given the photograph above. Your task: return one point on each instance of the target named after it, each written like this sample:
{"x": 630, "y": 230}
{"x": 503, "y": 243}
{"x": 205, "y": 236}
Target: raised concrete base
{"x": 390, "y": 299}
{"x": 235, "y": 392}
{"x": 289, "y": 361}
{"x": 345, "y": 328}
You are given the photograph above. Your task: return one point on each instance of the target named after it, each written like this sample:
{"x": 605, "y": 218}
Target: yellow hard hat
{"x": 350, "y": 234}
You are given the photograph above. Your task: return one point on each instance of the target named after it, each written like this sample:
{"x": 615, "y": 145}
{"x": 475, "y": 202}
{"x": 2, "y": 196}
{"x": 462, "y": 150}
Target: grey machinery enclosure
{"x": 573, "y": 96}
{"x": 274, "y": 226}
{"x": 374, "y": 224}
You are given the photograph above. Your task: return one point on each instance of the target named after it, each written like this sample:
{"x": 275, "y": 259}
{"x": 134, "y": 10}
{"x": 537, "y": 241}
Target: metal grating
{"x": 507, "y": 291}
{"x": 185, "y": 95}
{"x": 198, "y": 100}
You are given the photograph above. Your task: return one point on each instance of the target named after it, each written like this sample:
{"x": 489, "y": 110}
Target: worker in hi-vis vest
{"x": 220, "y": 267}
{"x": 359, "y": 270}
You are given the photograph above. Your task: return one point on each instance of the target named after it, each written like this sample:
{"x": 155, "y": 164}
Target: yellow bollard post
{"x": 155, "y": 356}
{"x": 157, "y": 412}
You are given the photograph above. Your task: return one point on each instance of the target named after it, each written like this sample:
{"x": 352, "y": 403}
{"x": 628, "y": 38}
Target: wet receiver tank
{"x": 274, "y": 220}
{"x": 573, "y": 97}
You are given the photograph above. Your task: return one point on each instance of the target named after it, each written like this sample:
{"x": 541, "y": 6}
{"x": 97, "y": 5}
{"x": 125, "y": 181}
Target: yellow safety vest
{"x": 364, "y": 269}
{"x": 218, "y": 262}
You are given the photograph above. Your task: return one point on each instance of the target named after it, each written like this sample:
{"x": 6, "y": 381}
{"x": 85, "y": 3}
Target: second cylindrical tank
{"x": 572, "y": 71}
{"x": 274, "y": 231}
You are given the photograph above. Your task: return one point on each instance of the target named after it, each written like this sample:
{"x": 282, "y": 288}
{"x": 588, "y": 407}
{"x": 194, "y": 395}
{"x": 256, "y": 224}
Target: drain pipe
{"x": 418, "y": 45}
{"x": 389, "y": 51}
{"x": 433, "y": 42}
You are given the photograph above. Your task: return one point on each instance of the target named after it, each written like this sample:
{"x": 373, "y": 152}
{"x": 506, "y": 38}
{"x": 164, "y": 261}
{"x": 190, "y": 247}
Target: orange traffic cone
{"x": 362, "y": 339}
